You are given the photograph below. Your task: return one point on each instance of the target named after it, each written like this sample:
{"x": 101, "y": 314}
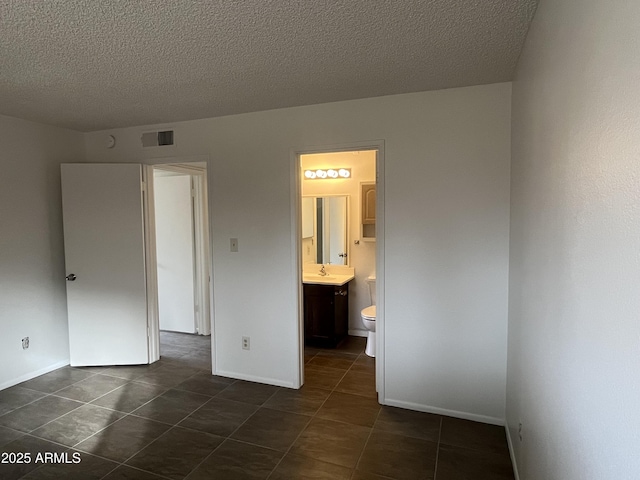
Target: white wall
{"x": 447, "y": 213}
{"x": 174, "y": 250}
{"x": 32, "y": 284}
{"x": 574, "y": 329}
{"x": 362, "y": 257}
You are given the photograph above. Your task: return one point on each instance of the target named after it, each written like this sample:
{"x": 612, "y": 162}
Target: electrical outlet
{"x": 520, "y": 431}
{"x": 246, "y": 343}
{"x": 25, "y": 343}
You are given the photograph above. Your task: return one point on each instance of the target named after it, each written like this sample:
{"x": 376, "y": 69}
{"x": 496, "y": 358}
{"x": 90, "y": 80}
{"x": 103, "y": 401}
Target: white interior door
{"x": 105, "y": 264}
{"x": 175, "y": 251}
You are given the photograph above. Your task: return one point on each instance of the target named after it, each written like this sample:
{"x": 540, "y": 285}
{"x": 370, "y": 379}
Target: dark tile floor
{"x": 173, "y": 420}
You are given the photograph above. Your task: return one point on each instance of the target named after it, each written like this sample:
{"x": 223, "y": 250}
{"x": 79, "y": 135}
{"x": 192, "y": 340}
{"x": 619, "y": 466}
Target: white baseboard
{"x": 512, "y": 453}
{"x": 358, "y": 333}
{"x": 251, "y": 378}
{"x": 443, "y": 411}
{"x": 30, "y": 375}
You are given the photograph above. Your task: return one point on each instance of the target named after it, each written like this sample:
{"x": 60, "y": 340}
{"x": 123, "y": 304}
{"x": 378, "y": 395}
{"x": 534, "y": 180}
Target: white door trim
{"x": 201, "y": 252}
{"x": 151, "y": 265}
{"x": 296, "y": 235}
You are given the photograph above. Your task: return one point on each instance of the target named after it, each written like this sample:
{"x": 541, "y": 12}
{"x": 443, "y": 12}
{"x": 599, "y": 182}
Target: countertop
{"x": 331, "y": 279}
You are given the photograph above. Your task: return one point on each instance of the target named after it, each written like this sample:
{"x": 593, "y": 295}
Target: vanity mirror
{"x": 325, "y": 230}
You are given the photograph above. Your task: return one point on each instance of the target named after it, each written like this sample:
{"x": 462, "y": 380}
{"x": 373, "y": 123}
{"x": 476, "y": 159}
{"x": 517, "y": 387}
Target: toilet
{"x": 368, "y": 315}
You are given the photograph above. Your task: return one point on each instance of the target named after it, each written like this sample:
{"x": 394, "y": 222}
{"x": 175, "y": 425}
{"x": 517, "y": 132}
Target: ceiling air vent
{"x": 157, "y": 139}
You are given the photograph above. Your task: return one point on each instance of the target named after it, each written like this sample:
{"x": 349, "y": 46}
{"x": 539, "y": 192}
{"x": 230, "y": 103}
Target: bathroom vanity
{"x": 326, "y": 309}
{"x": 326, "y": 273}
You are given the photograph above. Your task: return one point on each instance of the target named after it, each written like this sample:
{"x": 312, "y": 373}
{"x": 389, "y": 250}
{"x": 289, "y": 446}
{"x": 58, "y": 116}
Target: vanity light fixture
{"x": 327, "y": 174}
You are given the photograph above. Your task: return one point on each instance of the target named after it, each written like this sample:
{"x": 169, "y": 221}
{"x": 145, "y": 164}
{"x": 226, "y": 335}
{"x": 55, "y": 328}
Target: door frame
{"x": 200, "y": 214}
{"x": 197, "y": 168}
{"x": 296, "y": 244}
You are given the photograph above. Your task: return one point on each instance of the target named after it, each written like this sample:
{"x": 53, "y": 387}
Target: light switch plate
{"x": 234, "y": 244}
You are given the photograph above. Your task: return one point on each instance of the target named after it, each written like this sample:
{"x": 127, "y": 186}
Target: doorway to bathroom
{"x": 339, "y": 255}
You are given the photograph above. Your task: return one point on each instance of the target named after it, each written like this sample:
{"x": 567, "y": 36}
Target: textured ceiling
{"x": 92, "y": 65}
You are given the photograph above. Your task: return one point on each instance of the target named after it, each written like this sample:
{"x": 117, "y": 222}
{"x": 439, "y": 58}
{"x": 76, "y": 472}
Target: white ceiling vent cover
{"x": 157, "y": 139}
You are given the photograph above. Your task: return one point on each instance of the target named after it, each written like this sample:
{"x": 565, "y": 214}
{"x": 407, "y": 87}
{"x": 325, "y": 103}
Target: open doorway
{"x": 339, "y": 258}
{"x": 182, "y": 263}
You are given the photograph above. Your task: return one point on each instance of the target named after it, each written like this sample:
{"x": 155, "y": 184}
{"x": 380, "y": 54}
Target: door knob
{"x": 71, "y": 277}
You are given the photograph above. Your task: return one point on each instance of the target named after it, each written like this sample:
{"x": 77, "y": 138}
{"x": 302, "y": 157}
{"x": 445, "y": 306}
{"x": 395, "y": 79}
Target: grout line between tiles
{"x": 367, "y": 442}
{"x": 305, "y": 427}
{"x": 67, "y": 448}
{"x": 123, "y": 385}
{"x": 124, "y": 414}
{"x": 44, "y": 395}
{"x": 229, "y": 436}
{"x": 47, "y": 394}
{"x": 56, "y": 393}
{"x": 53, "y": 419}
{"x": 133, "y": 468}
{"x": 316, "y": 415}
{"x": 171, "y": 427}
{"x": 147, "y": 445}
{"x": 435, "y": 467}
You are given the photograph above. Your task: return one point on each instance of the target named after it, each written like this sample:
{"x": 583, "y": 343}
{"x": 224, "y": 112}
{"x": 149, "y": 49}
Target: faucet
{"x": 323, "y": 272}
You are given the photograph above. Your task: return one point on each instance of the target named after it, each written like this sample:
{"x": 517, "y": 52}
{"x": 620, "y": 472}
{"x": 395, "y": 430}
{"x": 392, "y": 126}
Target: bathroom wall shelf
{"x": 368, "y": 211}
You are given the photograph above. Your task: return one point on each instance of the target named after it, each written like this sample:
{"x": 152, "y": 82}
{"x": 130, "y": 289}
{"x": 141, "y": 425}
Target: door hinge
{"x": 143, "y": 186}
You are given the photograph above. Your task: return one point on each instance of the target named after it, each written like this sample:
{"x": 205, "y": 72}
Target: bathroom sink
{"x": 326, "y": 279}
{"x": 317, "y": 276}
